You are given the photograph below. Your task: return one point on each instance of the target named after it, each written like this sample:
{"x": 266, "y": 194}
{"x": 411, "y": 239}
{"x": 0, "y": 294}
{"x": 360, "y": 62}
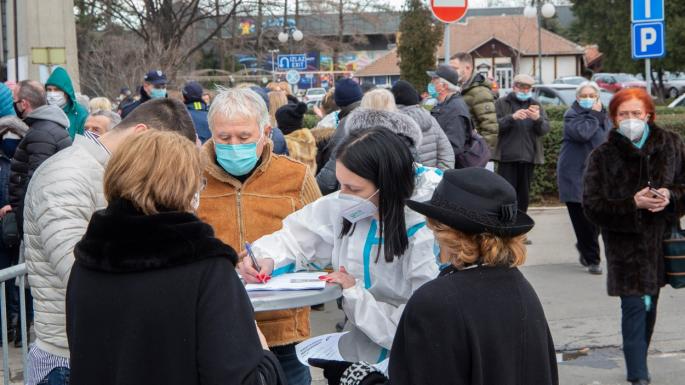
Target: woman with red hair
{"x": 634, "y": 192}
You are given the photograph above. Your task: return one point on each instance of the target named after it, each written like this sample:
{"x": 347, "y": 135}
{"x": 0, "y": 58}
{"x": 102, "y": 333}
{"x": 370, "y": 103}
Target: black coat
{"x": 519, "y": 140}
{"x": 633, "y": 237}
{"x": 480, "y": 326}
{"x": 156, "y": 300}
{"x": 455, "y": 119}
{"x": 43, "y": 139}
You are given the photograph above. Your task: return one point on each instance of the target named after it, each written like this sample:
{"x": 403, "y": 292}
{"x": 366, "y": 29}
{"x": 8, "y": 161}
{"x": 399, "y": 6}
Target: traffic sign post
{"x": 449, "y": 11}
{"x": 648, "y": 35}
{"x": 292, "y": 62}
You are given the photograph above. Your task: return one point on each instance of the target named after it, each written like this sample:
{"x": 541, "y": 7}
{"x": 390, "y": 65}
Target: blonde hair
{"x": 277, "y": 99}
{"x": 465, "y": 249}
{"x": 140, "y": 171}
{"x": 379, "y": 99}
{"x": 99, "y": 103}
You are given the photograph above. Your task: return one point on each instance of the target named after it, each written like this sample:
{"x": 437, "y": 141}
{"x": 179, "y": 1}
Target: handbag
{"x": 674, "y": 257}
{"x": 476, "y": 152}
{"x": 10, "y": 232}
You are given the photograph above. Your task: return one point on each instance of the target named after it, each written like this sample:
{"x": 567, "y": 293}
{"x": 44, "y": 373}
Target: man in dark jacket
{"x": 348, "y": 95}
{"x": 451, "y": 112}
{"x": 154, "y": 87}
{"x": 522, "y": 123}
{"x": 192, "y": 97}
{"x": 47, "y": 135}
{"x": 477, "y": 93}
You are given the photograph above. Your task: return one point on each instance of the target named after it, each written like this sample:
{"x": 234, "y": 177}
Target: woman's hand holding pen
{"x": 250, "y": 274}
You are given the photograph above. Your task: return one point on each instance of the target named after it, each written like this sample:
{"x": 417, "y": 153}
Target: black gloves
{"x": 332, "y": 370}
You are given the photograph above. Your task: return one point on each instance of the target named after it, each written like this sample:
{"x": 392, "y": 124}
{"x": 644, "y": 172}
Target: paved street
{"x": 579, "y": 312}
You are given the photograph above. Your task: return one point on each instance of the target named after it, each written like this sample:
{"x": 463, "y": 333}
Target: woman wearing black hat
{"x": 480, "y": 322}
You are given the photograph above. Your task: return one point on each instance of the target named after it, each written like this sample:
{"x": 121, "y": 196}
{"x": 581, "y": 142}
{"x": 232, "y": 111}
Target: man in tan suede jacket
{"x": 249, "y": 192}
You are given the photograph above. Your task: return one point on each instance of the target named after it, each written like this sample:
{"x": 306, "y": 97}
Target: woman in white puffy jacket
{"x": 380, "y": 250}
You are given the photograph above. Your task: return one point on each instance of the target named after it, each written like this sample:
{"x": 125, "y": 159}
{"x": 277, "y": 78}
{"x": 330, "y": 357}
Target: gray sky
{"x": 472, "y": 3}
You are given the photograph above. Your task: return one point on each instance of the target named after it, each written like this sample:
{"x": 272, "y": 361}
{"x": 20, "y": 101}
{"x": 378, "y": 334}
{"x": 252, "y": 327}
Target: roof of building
{"x": 476, "y": 31}
{"x": 386, "y": 65}
{"x": 518, "y": 32}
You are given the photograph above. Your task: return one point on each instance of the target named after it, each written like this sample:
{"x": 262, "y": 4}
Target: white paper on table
{"x": 291, "y": 281}
{"x": 324, "y": 347}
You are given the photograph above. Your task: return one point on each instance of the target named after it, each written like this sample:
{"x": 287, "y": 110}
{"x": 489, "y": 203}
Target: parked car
{"x": 563, "y": 94}
{"x": 674, "y": 84}
{"x": 678, "y": 102}
{"x": 314, "y": 95}
{"x": 575, "y": 80}
{"x": 617, "y": 82}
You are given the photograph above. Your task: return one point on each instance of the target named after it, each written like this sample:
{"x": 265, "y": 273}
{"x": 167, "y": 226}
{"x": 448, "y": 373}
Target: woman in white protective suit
{"x": 381, "y": 251}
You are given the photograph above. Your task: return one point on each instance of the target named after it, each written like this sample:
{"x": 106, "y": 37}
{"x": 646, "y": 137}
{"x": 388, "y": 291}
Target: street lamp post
{"x": 273, "y": 63}
{"x": 539, "y": 10}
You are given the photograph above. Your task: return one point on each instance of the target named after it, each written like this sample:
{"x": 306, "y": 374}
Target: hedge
{"x": 544, "y": 188}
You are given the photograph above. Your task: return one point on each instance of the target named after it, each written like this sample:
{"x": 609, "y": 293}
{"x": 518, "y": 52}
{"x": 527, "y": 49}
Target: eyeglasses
{"x": 636, "y": 114}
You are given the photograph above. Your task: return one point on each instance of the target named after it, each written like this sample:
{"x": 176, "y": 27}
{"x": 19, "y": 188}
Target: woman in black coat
{"x": 480, "y": 322}
{"x": 634, "y": 187}
{"x": 586, "y": 126}
{"x": 153, "y": 297}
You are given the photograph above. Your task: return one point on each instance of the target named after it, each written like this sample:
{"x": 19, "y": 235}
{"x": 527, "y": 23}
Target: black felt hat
{"x": 475, "y": 200}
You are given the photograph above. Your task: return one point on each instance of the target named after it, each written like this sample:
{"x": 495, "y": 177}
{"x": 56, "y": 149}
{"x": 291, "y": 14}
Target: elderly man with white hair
{"x": 586, "y": 126}
{"x": 250, "y": 190}
{"x": 101, "y": 121}
{"x": 451, "y": 112}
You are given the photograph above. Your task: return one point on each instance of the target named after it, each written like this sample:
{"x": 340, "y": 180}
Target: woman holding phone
{"x": 634, "y": 192}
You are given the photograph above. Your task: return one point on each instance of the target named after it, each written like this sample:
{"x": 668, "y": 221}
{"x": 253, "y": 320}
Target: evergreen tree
{"x": 419, "y": 38}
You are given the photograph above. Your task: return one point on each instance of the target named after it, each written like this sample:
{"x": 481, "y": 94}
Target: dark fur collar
{"x": 122, "y": 239}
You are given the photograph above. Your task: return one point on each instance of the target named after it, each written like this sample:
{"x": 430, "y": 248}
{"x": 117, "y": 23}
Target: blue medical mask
{"x": 586, "y": 103}
{"x": 158, "y": 93}
{"x": 436, "y": 252}
{"x": 523, "y": 96}
{"x": 237, "y": 159}
{"x": 432, "y": 91}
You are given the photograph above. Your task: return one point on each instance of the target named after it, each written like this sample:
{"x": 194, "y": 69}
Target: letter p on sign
{"x": 647, "y": 38}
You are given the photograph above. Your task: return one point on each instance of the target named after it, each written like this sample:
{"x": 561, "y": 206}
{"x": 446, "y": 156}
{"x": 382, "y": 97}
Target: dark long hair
{"x": 380, "y": 156}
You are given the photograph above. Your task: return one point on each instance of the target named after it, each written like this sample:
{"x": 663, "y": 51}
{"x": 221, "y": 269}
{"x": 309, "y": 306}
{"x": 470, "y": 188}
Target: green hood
{"x": 77, "y": 113}
{"x": 60, "y": 79}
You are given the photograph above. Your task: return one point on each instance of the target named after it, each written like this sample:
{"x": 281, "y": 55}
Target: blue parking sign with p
{"x": 648, "y": 40}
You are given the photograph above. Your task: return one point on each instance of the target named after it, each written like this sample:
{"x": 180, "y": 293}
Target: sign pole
{"x": 648, "y": 75}
{"x": 447, "y": 43}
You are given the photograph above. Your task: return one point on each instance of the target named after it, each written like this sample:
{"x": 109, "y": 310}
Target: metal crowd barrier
{"x": 7, "y": 277}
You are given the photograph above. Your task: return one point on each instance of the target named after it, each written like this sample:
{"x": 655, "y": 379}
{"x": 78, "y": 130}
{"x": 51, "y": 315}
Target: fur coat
{"x": 633, "y": 237}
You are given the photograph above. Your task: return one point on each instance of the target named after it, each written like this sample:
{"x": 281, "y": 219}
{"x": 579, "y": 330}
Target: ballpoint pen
{"x": 248, "y": 248}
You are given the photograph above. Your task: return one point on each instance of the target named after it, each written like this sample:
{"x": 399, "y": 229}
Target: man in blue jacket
{"x": 192, "y": 97}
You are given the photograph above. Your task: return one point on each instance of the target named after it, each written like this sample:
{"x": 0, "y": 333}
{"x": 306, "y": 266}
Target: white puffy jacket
{"x": 310, "y": 238}
{"x": 61, "y": 197}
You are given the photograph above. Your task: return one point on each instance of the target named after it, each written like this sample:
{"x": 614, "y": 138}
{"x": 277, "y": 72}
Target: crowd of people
{"x": 133, "y": 221}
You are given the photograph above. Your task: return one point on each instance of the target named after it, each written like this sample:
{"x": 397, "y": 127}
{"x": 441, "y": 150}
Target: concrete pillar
{"x": 41, "y": 24}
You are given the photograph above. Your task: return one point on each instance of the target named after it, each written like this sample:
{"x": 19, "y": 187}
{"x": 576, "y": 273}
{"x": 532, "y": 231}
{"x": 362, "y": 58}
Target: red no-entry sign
{"x": 449, "y": 11}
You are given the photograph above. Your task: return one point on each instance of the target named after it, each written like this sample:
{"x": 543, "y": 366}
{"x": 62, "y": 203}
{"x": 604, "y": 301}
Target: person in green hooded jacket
{"x": 60, "y": 92}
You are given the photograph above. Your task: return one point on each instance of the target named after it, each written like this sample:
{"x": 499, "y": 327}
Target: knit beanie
{"x": 347, "y": 91}
{"x": 289, "y": 117}
{"x": 6, "y": 101}
{"x": 405, "y": 94}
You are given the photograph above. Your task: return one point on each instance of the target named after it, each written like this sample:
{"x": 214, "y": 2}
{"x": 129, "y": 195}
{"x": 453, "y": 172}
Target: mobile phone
{"x": 657, "y": 193}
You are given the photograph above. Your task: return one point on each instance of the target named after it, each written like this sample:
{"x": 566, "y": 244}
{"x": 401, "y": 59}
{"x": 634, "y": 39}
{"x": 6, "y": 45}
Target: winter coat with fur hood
{"x": 435, "y": 149}
{"x": 362, "y": 119}
{"x": 633, "y": 237}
